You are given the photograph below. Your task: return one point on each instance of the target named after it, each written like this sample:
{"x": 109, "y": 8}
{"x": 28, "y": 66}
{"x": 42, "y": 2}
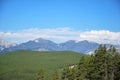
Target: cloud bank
{"x": 61, "y": 35}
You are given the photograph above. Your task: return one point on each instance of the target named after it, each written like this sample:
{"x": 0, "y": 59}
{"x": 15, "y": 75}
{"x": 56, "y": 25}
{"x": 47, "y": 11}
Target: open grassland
{"x": 24, "y": 65}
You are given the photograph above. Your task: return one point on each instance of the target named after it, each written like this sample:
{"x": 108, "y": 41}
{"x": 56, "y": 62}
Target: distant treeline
{"x": 104, "y": 64}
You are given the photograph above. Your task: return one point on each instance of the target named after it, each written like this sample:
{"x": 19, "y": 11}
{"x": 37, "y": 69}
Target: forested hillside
{"x": 25, "y": 65}
{"x": 104, "y": 64}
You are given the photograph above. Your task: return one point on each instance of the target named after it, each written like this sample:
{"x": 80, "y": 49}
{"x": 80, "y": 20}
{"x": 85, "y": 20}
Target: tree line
{"x": 104, "y": 64}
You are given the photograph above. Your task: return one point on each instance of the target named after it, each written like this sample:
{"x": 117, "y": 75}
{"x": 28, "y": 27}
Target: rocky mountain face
{"x": 37, "y": 44}
{"x": 5, "y": 44}
{"x": 47, "y": 45}
{"x": 81, "y": 46}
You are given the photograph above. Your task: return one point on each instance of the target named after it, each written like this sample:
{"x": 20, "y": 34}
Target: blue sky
{"x": 76, "y": 14}
{"x": 80, "y": 16}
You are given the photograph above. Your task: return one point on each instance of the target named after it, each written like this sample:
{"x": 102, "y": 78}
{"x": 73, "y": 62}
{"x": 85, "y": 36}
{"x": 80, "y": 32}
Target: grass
{"x": 24, "y": 65}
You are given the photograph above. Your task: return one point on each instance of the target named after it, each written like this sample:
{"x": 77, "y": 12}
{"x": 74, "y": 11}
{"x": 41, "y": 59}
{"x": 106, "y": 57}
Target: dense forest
{"x": 104, "y": 64}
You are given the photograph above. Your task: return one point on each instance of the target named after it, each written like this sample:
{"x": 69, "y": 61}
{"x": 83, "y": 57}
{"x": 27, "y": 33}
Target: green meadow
{"x": 24, "y": 65}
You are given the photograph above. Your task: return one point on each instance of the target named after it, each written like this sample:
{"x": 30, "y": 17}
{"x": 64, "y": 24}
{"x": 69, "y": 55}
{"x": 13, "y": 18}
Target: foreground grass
{"x": 24, "y": 65}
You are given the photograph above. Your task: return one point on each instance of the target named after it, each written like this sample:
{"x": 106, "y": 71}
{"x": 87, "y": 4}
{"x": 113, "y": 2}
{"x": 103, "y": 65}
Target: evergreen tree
{"x": 83, "y": 68}
{"x": 114, "y": 64}
{"x": 100, "y": 63}
{"x": 104, "y": 64}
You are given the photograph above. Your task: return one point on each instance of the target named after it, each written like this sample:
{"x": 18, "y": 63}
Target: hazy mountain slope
{"x": 47, "y": 45}
{"x": 81, "y": 46}
{"x": 37, "y": 44}
{"x": 5, "y": 44}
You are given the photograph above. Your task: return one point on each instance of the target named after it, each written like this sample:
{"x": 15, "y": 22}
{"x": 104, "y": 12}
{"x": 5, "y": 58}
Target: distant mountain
{"x": 37, "y": 45}
{"x": 47, "y": 45}
{"x": 118, "y": 48}
{"x": 5, "y": 44}
{"x": 81, "y": 46}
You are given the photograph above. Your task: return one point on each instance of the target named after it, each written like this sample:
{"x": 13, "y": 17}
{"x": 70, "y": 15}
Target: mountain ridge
{"x": 41, "y": 44}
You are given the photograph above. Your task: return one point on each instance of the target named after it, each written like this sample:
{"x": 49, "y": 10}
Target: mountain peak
{"x": 86, "y": 41}
{"x": 41, "y": 44}
{"x": 71, "y": 41}
{"x": 39, "y": 39}
{"x": 83, "y": 41}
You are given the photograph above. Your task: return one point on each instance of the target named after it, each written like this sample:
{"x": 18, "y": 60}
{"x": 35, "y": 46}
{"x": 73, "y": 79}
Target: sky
{"x": 60, "y": 20}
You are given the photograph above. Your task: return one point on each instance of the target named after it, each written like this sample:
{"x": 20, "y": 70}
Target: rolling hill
{"x": 24, "y": 65}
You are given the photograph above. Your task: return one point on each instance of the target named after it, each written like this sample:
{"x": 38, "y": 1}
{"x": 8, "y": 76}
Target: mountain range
{"x": 41, "y": 44}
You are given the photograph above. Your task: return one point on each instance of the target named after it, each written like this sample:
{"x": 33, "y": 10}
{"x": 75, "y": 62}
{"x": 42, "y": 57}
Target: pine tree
{"x": 82, "y": 73}
{"x": 100, "y": 64}
{"x": 65, "y": 73}
{"x": 114, "y": 64}
{"x": 104, "y": 64}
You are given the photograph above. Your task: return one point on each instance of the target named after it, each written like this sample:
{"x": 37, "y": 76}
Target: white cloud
{"x": 101, "y": 36}
{"x": 61, "y": 35}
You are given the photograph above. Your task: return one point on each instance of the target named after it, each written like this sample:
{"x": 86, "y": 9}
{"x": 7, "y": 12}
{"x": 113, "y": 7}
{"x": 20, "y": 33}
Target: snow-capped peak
{"x": 36, "y": 41}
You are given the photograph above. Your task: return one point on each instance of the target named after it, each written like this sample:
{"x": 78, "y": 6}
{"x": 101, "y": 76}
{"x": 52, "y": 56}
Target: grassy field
{"x": 24, "y": 65}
